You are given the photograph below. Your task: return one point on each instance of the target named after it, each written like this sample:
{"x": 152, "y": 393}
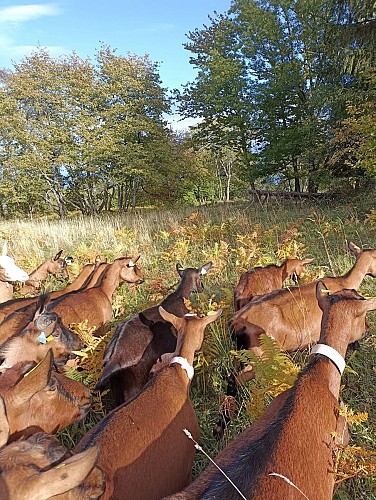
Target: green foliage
{"x": 235, "y": 236}
{"x": 273, "y": 80}
{"x": 275, "y": 372}
{"x": 86, "y": 137}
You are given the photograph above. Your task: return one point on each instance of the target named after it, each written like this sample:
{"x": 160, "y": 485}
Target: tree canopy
{"x": 285, "y": 72}
{"x": 284, "y": 97}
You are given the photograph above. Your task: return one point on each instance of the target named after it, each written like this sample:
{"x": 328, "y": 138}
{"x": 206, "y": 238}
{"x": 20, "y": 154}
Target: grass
{"x": 235, "y": 237}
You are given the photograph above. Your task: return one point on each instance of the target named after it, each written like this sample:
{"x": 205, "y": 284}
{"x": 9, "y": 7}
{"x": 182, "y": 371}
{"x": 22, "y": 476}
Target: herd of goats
{"x": 144, "y": 448}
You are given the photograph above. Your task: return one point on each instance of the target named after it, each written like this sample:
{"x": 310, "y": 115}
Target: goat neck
{"x": 114, "y": 274}
{"x": 37, "y": 276}
{"x": 351, "y": 308}
{"x": 190, "y": 332}
{"x": 110, "y": 278}
{"x": 82, "y": 279}
{"x": 98, "y": 273}
{"x": 88, "y": 277}
{"x": 365, "y": 264}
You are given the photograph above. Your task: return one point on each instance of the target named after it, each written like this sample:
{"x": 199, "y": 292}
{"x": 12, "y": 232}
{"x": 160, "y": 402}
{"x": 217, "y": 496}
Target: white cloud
{"x": 22, "y": 13}
{"x": 11, "y": 23}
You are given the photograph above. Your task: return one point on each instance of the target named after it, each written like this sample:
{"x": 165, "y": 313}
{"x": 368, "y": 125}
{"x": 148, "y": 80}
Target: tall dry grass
{"x": 235, "y": 237}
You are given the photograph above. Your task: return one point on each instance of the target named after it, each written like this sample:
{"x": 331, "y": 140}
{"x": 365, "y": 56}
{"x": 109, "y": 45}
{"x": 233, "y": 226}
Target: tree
{"x": 352, "y": 148}
{"x": 221, "y": 94}
{"x": 90, "y": 136}
{"x": 274, "y": 69}
{"x": 133, "y": 134}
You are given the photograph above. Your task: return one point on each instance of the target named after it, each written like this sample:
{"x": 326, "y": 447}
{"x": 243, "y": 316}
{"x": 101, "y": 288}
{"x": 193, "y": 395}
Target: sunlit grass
{"x": 234, "y": 237}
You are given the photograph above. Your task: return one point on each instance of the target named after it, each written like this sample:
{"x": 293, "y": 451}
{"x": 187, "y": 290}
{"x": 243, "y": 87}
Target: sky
{"x": 154, "y": 27}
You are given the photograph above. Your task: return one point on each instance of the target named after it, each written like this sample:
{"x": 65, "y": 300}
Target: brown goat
{"x": 45, "y": 332}
{"x": 142, "y": 450}
{"x": 94, "y": 304}
{"x": 40, "y": 399}
{"x": 18, "y": 313}
{"x": 292, "y": 316}
{"x": 289, "y": 452}
{"x": 262, "y": 280}
{"x": 142, "y": 340}
{"x": 40, "y": 468}
{"x": 54, "y": 265}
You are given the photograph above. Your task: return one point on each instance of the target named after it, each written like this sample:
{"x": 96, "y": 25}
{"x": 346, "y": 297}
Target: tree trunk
{"x": 297, "y": 183}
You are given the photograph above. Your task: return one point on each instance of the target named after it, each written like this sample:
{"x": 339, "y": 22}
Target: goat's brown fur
{"x": 292, "y": 316}
{"x": 55, "y": 266}
{"x": 295, "y": 440}
{"x": 262, "y": 280}
{"x": 9, "y": 272}
{"x": 6, "y": 291}
{"x": 40, "y": 399}
{"x": 142, "y": 449}
{"x": 30, "y": 346}
{"x": 40, "y": 468}
{"x": 144, "y": 339}
{"x": 16, "y": 314}
{"x": 94, "y": 304}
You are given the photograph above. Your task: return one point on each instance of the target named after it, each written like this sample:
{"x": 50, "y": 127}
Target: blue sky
{"x": 154, "y": 27}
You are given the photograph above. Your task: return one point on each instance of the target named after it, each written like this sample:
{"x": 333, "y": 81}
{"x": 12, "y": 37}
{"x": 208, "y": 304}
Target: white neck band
{"x": 330, "y": 353}
{"x": 185, "y": 365}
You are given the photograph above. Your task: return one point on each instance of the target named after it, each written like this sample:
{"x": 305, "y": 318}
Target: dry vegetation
{"x": 235, "y": 238}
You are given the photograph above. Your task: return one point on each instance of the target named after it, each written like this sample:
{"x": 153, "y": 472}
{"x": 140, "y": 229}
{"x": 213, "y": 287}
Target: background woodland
{"x": 284, "y": 99}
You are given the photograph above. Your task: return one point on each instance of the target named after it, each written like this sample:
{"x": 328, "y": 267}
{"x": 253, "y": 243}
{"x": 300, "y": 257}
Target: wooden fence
{"x": 264, "y": 197}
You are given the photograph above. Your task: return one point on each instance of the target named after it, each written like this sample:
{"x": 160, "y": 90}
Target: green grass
{"x": 235, "y": 237}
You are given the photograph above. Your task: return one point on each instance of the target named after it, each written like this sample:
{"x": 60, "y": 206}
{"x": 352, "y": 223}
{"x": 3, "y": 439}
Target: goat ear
{"x": 63, "y": 477}
{"x": 41, "y": 304}
{"x": 321, "y": 293}
{"x": 179, "y": 269}
{"x": 307, "y": 261}
{"x": 4, "y": 424}
{"x": 206, "y": 267}
{"x": 58, "y": 255}
{"x": 5, "y": 249}
{"x": 34, "y": 380}
{"x": 212, "y": 316}
{"x": 174, "y": 320}
{"x": 354, "y": 249}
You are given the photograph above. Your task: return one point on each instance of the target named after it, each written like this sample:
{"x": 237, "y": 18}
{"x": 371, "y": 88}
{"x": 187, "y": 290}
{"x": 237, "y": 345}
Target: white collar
{"x": 185, "y": 365}
{"x": 330, "y": 353}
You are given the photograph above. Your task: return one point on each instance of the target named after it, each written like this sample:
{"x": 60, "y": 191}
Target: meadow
{"x": 235, "y": 237}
